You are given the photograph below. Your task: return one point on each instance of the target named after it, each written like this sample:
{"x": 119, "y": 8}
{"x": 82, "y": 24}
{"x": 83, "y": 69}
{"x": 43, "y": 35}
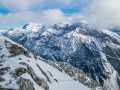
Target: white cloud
{"x": 65, "y": 1}
{"x": 53, "y": 16}
{"x": 99, "y": 13}
{"x": 77, "y": 18}
{"x": 21, "y": 5}
{"x": 50, "y": 16}
{"x": 103, "y": 13}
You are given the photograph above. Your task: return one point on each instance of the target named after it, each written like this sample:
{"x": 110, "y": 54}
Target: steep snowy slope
{"x": 95, "y": 52}
{"x": 21, "y": 70}
{"x": 75, "y": 73}
{"x": 117, "y": 31}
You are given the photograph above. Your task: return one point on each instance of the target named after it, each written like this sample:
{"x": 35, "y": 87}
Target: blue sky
{"x": 4, "y": 10}
{"x": 11, "y": 8}
{"x": 99, "y": 13}
{"x": 67, "y": 10}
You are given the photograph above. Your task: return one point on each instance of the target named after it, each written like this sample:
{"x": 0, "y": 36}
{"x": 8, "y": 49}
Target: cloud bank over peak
{"x": 50, "y": 16}
{"x": 103, "y": 14}
{"x": 25, "y": 5}
{"x": 20, "y": 5}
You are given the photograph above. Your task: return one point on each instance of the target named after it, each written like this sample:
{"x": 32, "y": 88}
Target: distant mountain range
{"x": 95, "y": 52}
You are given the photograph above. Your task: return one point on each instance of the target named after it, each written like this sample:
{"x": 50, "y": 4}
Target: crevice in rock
{"x": 44, "y": 74}
{"x": 28, "y": 60}
{"x": 2, "y": 56}
{"x": 50, "y": 73}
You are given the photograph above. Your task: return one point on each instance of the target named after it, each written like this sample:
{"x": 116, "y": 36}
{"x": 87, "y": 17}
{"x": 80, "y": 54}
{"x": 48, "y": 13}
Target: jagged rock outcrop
{"x": 15, "y": 49}
{"x": 2, "y": 79}
{"x": 3, "y": 70}
{"x": 25, "y": 84}
{"x": 19, "y": 71}
{"x": 40, "y": 81}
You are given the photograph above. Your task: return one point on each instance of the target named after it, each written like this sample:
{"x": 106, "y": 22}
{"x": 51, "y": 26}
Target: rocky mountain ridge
{"x": 96, "y": 52}
{"x": 21, "y": 70}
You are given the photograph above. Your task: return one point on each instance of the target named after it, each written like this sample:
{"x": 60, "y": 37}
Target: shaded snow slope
{"x": 21, "y": 70}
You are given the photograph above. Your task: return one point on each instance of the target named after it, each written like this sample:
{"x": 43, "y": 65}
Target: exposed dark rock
{"x": 7, "y": 43}
{"x": 1, "y": 65}
{"x": 5, "y": 68}
{"x": 0, "y": 48}
{"x": 19, "y": 71}
{"x": 113, "y": 56}
{"x": 2, "y": 70}
{"x": 28, "y": 60}
{"x": 7, "y": 89}
{"x": 20, "y": 58}
{"x": 1, "y": 73}
{"x": 2, "y": 79}
{"x": 44, "y": 74}
{"x": 40, "y": 81}
{"x": 56, "y": 80}
{"x": 10, "y": 81}
{"x": 25, "y": 26}
{"x": 25, "y": 84}
{"x": 2, "y": 56}
{"x": 15, "y": 49}
{"x": 2, "y": 61}
{"x": 35, "y": 56}
{"x": 50, "y": 74}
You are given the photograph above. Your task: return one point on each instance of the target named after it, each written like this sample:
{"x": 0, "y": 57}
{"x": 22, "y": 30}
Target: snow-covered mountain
{"x": 117, "y": 31}
{"x": 96, "y": 52}
{"x": 21, "y": 70}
